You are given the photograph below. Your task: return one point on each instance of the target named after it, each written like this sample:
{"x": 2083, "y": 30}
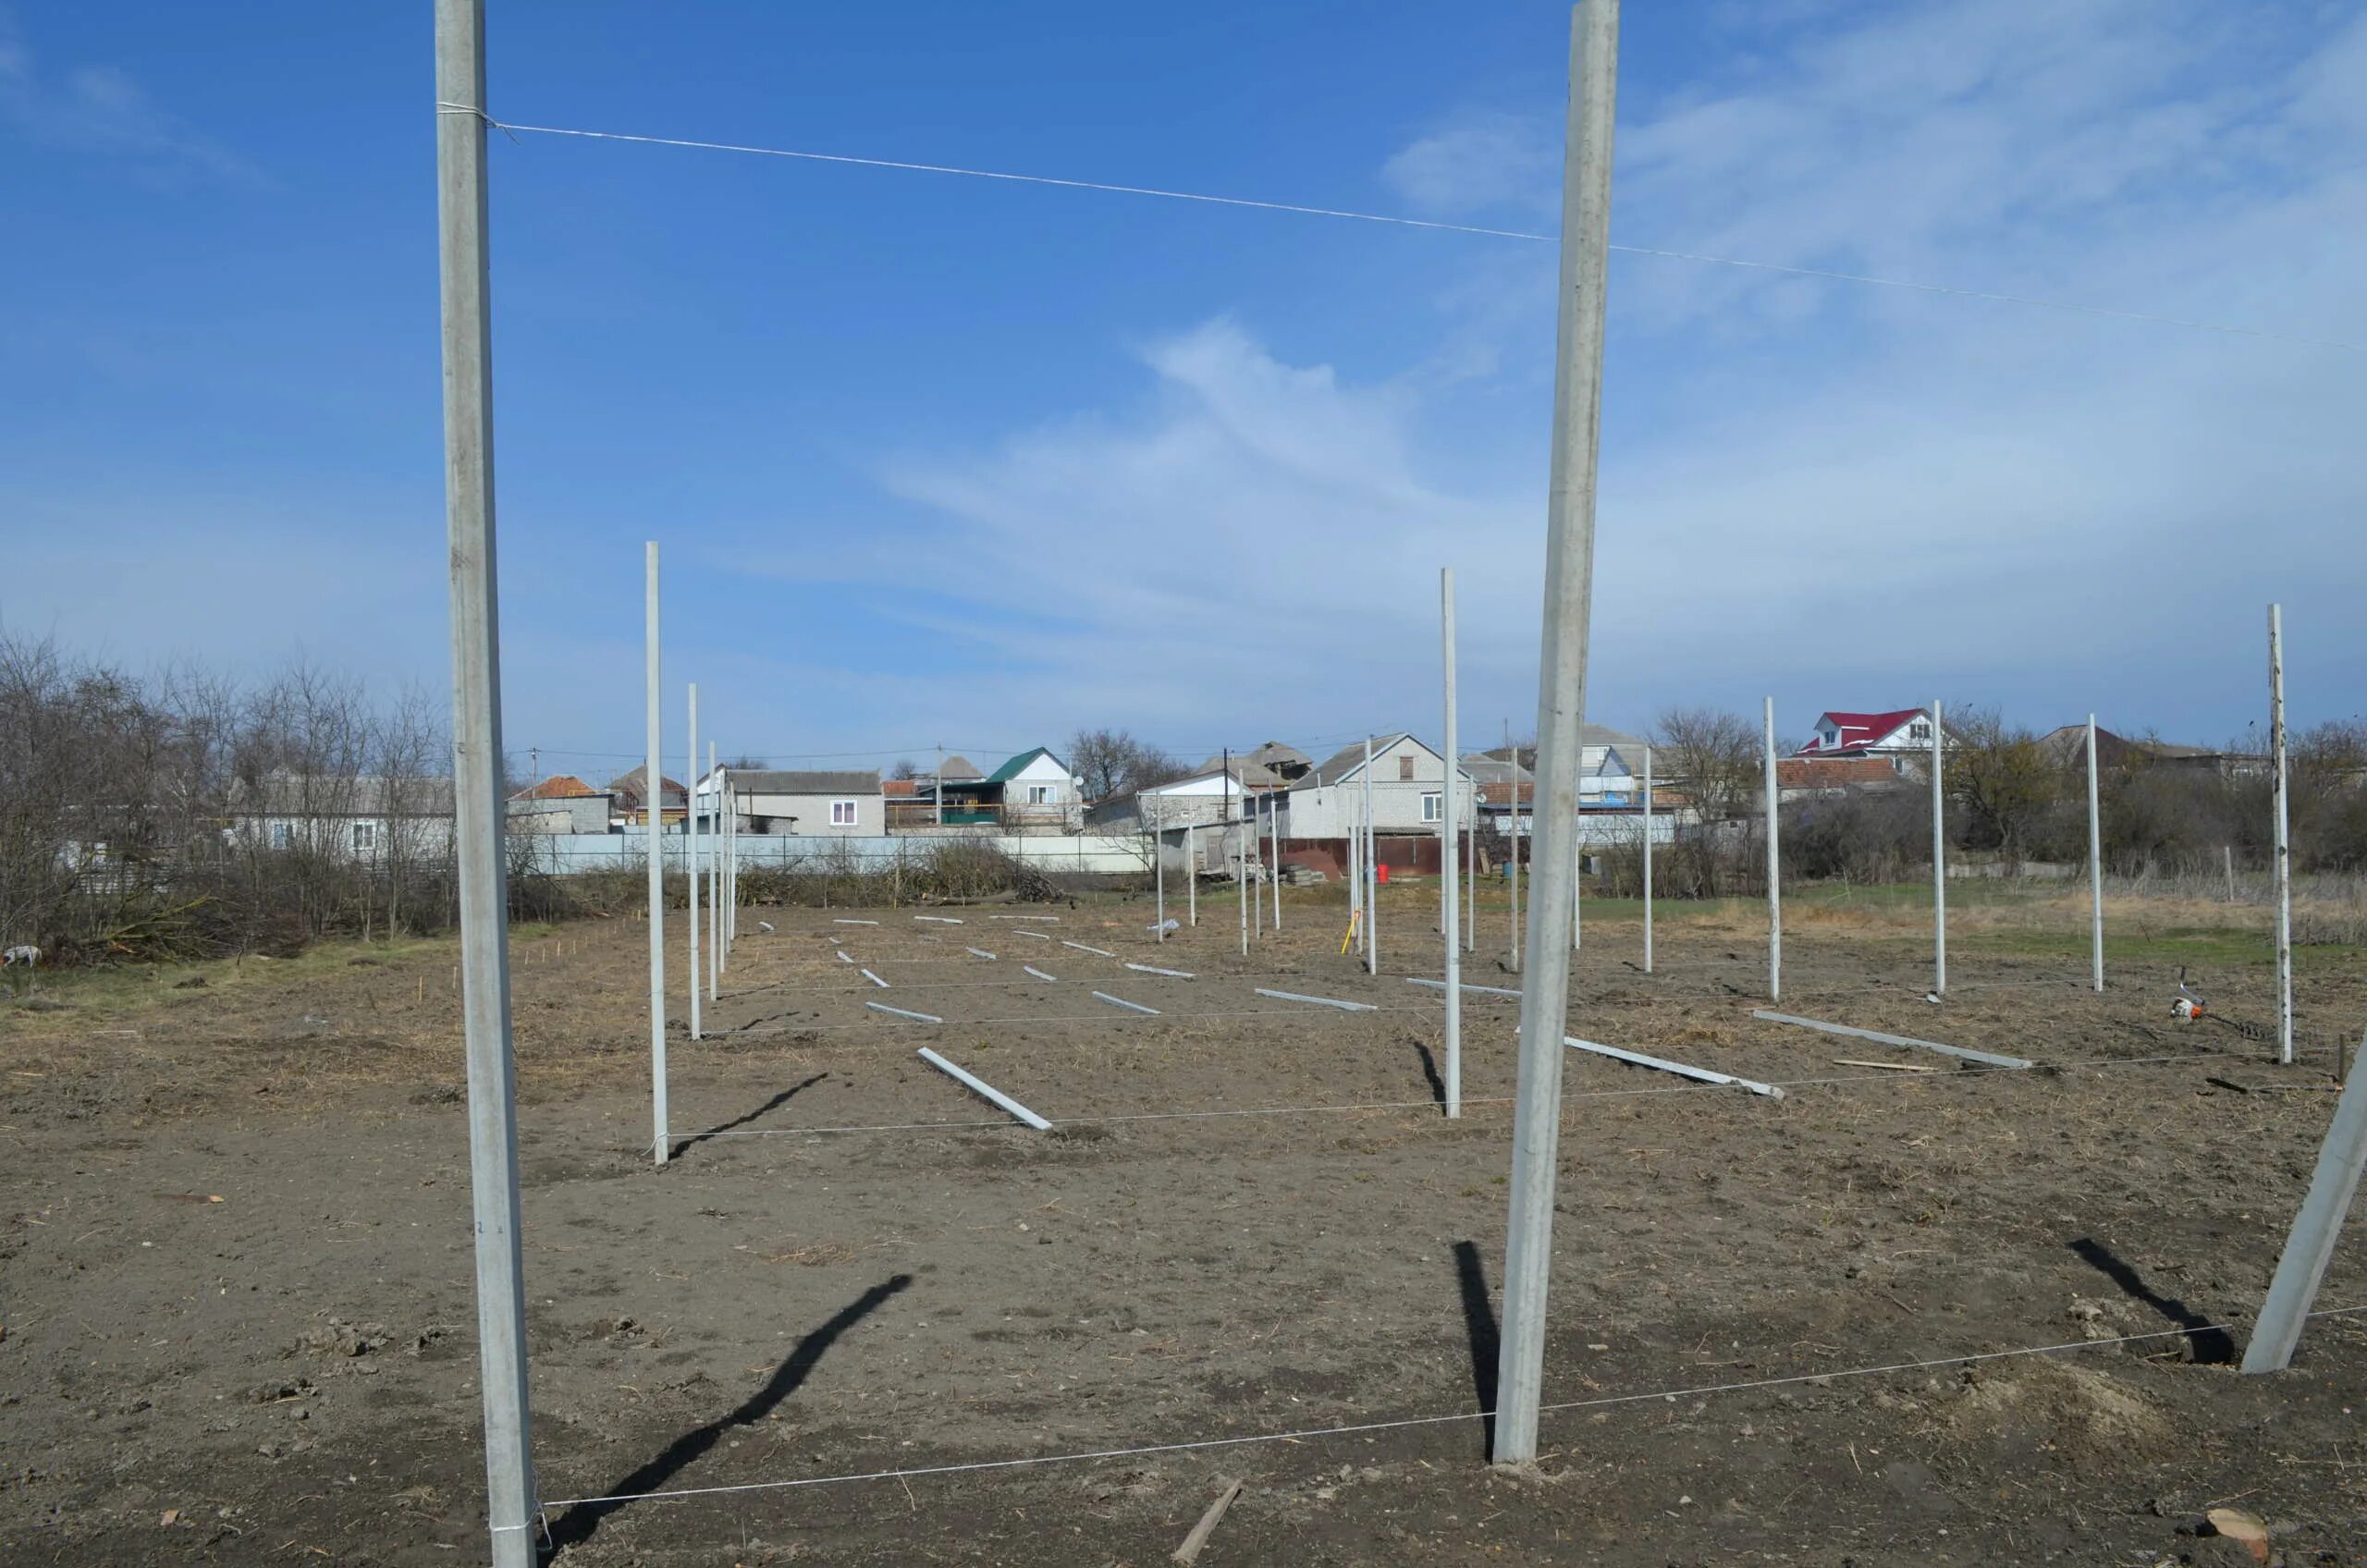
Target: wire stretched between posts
{"x": 1602, "y": 1401}
{"x": 1657, "y": 252}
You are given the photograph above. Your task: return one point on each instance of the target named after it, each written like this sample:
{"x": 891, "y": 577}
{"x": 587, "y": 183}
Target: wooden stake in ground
{"x": 1189, "y": 1552}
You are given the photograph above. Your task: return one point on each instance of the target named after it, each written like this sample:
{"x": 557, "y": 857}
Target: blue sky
{"x": 944, "y": 459}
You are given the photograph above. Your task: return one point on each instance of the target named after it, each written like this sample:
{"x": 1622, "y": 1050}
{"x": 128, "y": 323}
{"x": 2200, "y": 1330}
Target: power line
{"x": 1654, "y": 253}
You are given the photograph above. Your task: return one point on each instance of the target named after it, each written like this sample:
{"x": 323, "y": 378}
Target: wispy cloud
{"x": 1488, "y": 163}
{"x": 1841, "y": 493}
{"x": 101, "y": 110}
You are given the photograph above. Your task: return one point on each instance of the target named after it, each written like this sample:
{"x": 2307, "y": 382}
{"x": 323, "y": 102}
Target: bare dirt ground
{"x": 235, "y": 1266}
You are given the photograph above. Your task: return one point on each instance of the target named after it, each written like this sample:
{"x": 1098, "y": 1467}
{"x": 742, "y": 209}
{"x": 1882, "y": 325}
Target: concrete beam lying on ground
{"x": 1701, "y": 1074}
{"x": 984, "y": 1090}
{"x": 1318, "y": 1001}
{"x": 1987, "y": 1058}
{"x": 1440, "y": 985}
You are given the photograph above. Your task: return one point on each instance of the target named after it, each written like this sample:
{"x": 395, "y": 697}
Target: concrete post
{"x": 1648, "y": 857}
{"x": 478, "y": 812}
{"x": 2095, "y": 865}
{"x": 653, "y": 802}
{"x": 1569, "y": 585}
{"x": 1939, "y": 859}
{"x": 1775, "y": 873}
{"x": 1372, "y": 873}
{"x": 2310, "y": 1247}
{"x": 690, "y": 851}
{"x": 1450, "y": 907}
{"x": 2281, "y": 796}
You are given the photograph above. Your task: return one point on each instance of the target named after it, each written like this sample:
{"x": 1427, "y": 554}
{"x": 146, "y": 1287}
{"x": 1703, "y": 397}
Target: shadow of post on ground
{"x": 2213, "y": 1346}
{"x": 1479, "y": 1327}
{"x": 578, "y": 1523}
{"x": 771, "y": 1105}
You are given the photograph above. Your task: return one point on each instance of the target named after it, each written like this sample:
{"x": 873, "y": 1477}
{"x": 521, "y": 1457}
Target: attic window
{"x": 1405, "y": 768}
{"x": 1920, "y": 731}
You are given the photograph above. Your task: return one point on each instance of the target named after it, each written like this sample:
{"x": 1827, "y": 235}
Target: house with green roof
{"x": 1036, "y": 793}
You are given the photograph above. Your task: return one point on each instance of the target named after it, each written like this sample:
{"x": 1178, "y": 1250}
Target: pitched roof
{"x": 1253, "y": 775}
{"x": 1013, "y": 765}
{"x": 1857, "y": 730}
{"x": 959, "y": 769}
{"x": 557, "y": 786}
{"x": 1492, "y": 767}
{"x": 629, "y": 788}
{"x": 899, "y": 789}
{"x": 1280, "y": 758}
{"x": 1244, "y": 776}
{"x": 788, "y": 781}
{"x": 1347, "y": 762}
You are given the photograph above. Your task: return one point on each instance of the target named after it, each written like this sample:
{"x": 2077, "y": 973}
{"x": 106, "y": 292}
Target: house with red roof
{"x": 1896, "y": 736}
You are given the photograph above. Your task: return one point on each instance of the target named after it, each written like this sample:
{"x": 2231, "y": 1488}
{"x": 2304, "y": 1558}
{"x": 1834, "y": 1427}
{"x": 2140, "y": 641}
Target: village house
{"x": 1897, "y": 736}
{"x": 366, "y": 819}
{"x": 807, "y": 805}
{"x": 1408, "y": 791}
{"x": 562, "y": 803}
{"x": 1214, "y": 794}
{"x": 628, "y": 792}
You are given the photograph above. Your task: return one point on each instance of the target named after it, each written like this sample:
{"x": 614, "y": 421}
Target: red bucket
{"x": 1380, "y": 871}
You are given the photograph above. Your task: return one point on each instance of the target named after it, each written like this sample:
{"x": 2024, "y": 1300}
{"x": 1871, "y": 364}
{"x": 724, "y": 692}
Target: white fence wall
{"x": 563, "y": 853}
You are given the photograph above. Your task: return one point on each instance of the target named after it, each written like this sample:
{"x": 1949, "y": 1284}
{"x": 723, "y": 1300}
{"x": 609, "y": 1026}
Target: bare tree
{"x": 2005, "y": 781}
{"x": 1114, "y": 763}
{"x": 904, "y": 770}
{"x": 1712, "y": 759}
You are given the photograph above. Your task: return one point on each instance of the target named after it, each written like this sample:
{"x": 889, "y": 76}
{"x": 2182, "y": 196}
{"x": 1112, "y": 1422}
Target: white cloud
{"x": 1839, "y": 494}
{"x": 102, "y": 110}
{"x": 1495, "y": 161}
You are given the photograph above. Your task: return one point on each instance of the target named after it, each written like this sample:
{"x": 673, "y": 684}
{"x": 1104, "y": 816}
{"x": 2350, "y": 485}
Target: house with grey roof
{"x": 1409, "y": 783}
{"x": 840, "y": 803}
{"x": 365, "y": 817}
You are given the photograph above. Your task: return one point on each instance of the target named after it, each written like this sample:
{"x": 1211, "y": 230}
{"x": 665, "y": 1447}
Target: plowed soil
{"x": 239, "y": 1324}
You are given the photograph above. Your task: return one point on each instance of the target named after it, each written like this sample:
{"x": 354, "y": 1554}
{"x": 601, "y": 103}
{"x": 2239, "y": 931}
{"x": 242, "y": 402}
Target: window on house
{"x": 1405, "y": 768}
{"x": 1920, "y": 729}
{"x": 1039, "y": 794}
{"x": 1432, "y": 803}
{"x": 279, "y": 835}
{"x": 842, "y": 813}
{"x": 365, "y": 838}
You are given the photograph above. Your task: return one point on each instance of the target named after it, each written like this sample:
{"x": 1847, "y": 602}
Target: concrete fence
{"x": 565, "y": 854}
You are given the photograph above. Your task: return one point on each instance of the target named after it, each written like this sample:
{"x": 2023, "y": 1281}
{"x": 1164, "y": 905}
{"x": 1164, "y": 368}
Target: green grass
{"x": 122, "y": 989}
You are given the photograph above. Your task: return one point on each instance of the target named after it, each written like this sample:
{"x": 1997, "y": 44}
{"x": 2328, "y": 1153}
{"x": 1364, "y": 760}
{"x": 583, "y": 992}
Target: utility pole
{"x": 691, "y": 851}
{"x": 478, "y": 821}
{"x": 937, "y": 784}
{"x": 1560, "y": 713}
{"x": 1450, "y": 906}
